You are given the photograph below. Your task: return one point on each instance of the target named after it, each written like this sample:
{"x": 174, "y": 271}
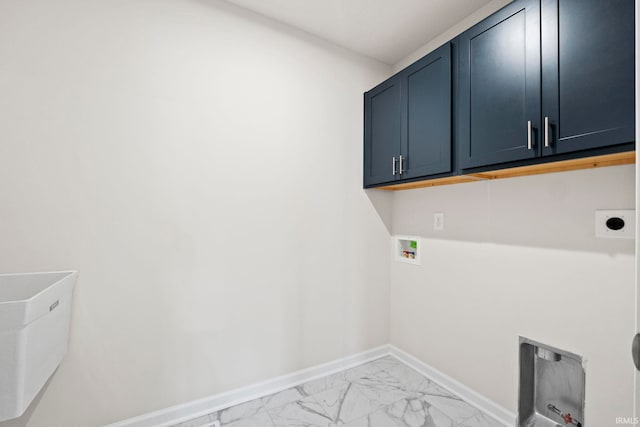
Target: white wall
{"x": 519, "y": 257}
{"x": 460, "y": 27}
{"x": 200, "y": 167}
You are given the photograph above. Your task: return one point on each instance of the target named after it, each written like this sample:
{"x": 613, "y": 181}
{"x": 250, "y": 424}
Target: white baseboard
{"x": 197, "y": 408}
{"x": 467, "y": 394}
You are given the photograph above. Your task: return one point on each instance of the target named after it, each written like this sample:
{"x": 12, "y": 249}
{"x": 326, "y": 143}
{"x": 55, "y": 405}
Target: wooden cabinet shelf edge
{"x": 604, "y": 160}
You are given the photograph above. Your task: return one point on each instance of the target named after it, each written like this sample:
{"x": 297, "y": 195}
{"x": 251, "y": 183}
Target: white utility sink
{"x": 35, "y": 309}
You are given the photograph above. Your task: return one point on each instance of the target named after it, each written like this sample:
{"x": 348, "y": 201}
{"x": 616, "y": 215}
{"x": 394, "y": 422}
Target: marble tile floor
{"x": 381, "y": 393}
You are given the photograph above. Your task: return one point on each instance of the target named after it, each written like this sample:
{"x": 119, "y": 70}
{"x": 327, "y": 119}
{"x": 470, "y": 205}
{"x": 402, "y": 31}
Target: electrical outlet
{"x": 438, "y": 221}
{"x": 616, "y": 224}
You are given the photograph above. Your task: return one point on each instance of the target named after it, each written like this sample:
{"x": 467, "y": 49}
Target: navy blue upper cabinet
{"x": 538, "y": 81}
{"x": 547, "y": 77}
{"x": 426, "y": 112}
{"x": 499, "y": 95}
{"x": 382, "y": 119}
{"x": 407, "y": 132}
{"x": 588, "y": 62}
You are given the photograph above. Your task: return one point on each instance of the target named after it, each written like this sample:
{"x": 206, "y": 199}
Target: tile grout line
{"x": 382, "y": 407}
{"x": 327, "y": 415}
{"x": 344, "y": 396}
{"x": 353, "y": 382}
{"x": 468, "y": 418}
{"x": 479, "y": 409}
{"x": 264, "y": 407}
{"x": 453, "y": 423}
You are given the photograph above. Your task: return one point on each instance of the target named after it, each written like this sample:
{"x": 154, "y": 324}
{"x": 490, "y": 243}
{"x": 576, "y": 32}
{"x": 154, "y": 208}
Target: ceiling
{"x": 387, "y": 30}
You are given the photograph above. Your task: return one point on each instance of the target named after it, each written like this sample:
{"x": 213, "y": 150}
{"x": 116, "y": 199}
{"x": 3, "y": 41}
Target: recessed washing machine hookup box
{"x": 35, "y": 309}
{"x": 407, "y": 249}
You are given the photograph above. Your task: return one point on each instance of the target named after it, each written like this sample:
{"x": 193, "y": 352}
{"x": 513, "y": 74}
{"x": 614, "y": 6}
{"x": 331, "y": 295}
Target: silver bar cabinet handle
{"x": 393, "y": 168}
{"x": 546, "y": 131}
{"x": 401, "y": 168}
{"x": 529, "y": 134}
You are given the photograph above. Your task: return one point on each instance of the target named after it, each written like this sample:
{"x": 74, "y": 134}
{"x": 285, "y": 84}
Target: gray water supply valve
{"x": 635, "y": 351}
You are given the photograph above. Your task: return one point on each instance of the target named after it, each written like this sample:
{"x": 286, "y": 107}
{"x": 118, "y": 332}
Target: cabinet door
{"x": 426, "y": 115}
{"x": 382, "y": 132}
{"x": 500, "y": 87}
{"x": 587, "y": 74}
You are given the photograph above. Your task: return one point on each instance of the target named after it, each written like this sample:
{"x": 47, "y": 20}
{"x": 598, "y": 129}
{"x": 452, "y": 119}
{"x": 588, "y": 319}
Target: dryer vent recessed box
{"x": 616, "y": 224}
